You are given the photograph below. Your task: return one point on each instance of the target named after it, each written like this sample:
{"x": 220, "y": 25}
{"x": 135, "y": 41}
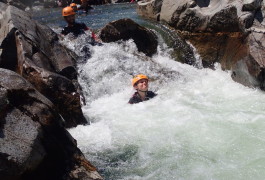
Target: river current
{"x": 201, "y": 126}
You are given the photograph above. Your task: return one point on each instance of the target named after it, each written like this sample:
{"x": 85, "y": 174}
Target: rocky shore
{"x": 40, "y": 98}
{"x": 228, "y": 32}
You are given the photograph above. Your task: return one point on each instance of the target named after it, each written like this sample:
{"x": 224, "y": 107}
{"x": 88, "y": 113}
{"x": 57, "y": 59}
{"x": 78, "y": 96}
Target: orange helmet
{"x": 68, "y": 11}
{"x": 73, "y": 4}
{"x": 138, "y": 77}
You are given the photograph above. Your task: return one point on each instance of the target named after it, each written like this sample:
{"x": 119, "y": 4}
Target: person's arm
{"x": 93, "y": 35}
{"x": 64, "y": 32}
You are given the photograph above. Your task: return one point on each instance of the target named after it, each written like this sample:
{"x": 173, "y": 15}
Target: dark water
{"x": 95, "y": 19}
{"x": 98, "y": 17}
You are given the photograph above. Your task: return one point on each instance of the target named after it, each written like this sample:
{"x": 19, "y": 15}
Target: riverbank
{"x": 230, "y": 33}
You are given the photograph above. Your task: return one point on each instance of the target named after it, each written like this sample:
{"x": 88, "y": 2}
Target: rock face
{"x": 150, "y": 9}
{"x": 228, "y": 32}
{"x": 17, "y": 3}
{"x": 33, "y": 51}
{"x": 210, "y": 16}
{"x": 125, "y": 29}
{"x": 33, "y": 142}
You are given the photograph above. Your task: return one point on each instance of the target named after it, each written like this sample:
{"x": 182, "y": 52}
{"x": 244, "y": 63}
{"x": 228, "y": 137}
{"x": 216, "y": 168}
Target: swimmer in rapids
{"x": 140, "y": 84}
{"x": 73, "y": 27}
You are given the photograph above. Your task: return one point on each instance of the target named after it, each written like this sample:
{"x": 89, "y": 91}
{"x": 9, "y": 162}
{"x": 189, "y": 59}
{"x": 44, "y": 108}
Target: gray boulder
{"x": 125, "y": 29}
{"x": 250, "y": 69}
{"x": 228, "y": 32}
{"x": 33, "y": 50}
{"x": 33, "y": 141}
{"x": 210, "y": 16}
{"x": 150, "y": 8}
{"x": 17, "y": 3}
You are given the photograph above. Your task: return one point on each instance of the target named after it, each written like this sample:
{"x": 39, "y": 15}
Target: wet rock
{"x": 33, "y": 50}
{"x": 251, "y": 5}
{"x": 125, "y": 29}
{"x": 250, "y": 70}
{"x": 33, "y": 142}
{"x": 224, "y": 48}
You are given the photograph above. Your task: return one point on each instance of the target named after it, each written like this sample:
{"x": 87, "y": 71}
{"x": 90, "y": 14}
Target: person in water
{"x": 140, "y": 84}
{"x": 72, "y": 26}
{"x": 85, "y": 6}
{"x": 74, "y": 7}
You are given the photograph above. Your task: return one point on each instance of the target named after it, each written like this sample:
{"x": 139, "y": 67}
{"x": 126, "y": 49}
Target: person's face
{"x": 70, "y": 19}
{"x": 141, "y": 85}
{"x": 74, "y": 8}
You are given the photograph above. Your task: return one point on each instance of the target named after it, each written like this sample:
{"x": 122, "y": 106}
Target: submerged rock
{"x": 33, "y": 50}
{"x": 33, "y": 141}
{"x": 125, "y": 29}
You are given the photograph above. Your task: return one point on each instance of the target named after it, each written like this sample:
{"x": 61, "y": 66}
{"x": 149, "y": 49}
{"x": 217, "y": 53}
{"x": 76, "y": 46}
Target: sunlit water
{"x": 202, "y": 125}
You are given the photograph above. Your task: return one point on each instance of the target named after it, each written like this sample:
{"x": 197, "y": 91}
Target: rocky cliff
{"x": 229, "y": 32}
{"x": 39, "y": 99}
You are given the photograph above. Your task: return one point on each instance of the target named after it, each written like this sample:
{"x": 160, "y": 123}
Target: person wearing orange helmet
{"x": 73, "y": 27}
{"x": 140, "y": 84}
{"x": 74, "y": 7}
{"x": 85, "y": 6}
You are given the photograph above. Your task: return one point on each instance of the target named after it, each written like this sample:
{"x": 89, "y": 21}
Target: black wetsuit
{"x": 136, "y": 97}
{"x": 76, "y": 29}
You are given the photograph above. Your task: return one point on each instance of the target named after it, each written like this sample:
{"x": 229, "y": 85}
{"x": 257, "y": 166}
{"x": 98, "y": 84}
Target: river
{"x": 201, "y": 126}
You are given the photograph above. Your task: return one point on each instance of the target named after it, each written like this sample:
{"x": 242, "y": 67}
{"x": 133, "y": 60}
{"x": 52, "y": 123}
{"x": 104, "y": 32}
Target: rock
{"x": 33, "y": 142}
{"x": 173, "y": 11}
{"x": 250, "y": 70}
{"x": 150, "y": 9}
{"x": 228, "y": 32}
{"x": 125, "y": 29}
{"x": 40, "y": 37}
{"x": 122, "y": 1}
{"x": 180, "y": 50}
{"x": 216, "y": 47}
{"x": 251, "y": 5}
{"x": 33, "y": 50}
{"x": 210, "y": 16}
{"x": 226, "y": 20}
{"x": 17, "y": 3}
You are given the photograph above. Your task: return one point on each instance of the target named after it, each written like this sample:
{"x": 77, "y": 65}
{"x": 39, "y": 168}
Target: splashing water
{"x": 202, "y": 125}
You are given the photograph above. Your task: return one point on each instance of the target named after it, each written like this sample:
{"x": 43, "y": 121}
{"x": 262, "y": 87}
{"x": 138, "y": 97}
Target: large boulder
{"x": 250, "y": 69}
{"x": 210, "y": 16}
{"x": 125, "y": 29}
{"x": 33, "y": 141}
{"x": 228, "y": 32}
{"x": 33, "y": 50}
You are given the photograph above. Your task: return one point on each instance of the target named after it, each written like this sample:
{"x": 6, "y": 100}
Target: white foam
{"x": 202, "y": 125}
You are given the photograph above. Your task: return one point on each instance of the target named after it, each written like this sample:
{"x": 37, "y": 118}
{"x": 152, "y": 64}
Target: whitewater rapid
{"x": 202, "y": 124}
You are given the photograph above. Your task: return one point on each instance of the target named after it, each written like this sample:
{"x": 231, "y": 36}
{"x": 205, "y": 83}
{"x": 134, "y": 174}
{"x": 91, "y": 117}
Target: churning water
{"x": 202, "y": 125}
